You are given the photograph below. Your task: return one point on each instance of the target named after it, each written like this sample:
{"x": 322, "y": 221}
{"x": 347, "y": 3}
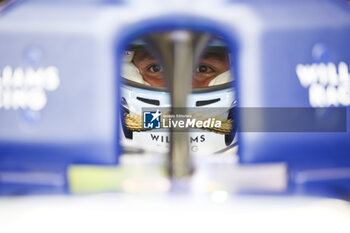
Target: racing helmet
{"x": 213, "y": 100}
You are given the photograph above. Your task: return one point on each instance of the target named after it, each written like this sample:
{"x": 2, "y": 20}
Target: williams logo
{"x": 328, "y": 84}
{"x": 26, "y": 88}
{"x": 151, "y": 119}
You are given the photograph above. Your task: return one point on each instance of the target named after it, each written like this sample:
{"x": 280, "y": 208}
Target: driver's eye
{"x": 155, "y": 68}
{"x": 204, "y": 69}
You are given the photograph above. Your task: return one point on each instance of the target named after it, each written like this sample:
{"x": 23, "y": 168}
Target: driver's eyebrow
{"x": 144, "y": 56}
{"x": 217, "y": 56}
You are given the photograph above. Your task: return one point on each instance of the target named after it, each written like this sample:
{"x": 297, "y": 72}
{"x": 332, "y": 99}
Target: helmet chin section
{"x": 201, "y": 142}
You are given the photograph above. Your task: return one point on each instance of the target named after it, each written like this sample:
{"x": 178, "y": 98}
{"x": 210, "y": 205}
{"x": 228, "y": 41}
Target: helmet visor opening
{"x": 143, "y": 70}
